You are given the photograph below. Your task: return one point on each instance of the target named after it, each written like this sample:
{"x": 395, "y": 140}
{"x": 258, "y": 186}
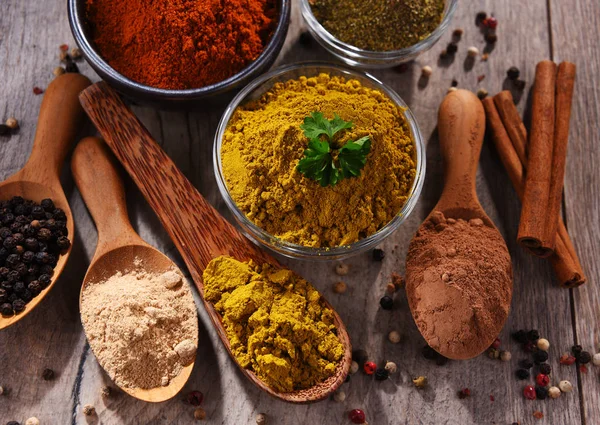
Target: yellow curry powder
{"x": 275, "y": 321}
{"x": 263, "y": 144}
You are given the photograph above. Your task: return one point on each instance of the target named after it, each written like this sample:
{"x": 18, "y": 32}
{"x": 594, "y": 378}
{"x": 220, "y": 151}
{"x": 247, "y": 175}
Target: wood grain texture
{"x": 30, "y": 33}
{"x": 572, "y": 42}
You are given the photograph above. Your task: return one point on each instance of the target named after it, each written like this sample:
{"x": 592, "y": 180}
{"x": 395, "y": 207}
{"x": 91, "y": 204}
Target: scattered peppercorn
{"x": 472, "y": 52}
{"x": 452, "y": 48}
{"x": 305, "y": 39}
{"x": 339, "y": 287}
{"x": 454, "y": 83}
{"x": 513, "y": 73}
{"x": 71, "y": 67}
{"x": 381, "y": 374}
{"x": 370, "y": 368}
{"x": 89, "y": 410}
{"x": 12, "y": 123}
{"x": 480, "y": 18}
{"x": 554, "y": 392}
{"x": 493, "y": 353}
{"x": 341, "y": 269}
{"x": 37, "y": 90}
{"x": 261, "y": 419}
{"x": 583, "y": 357}
{"x": 426, "y": 71}
{"x": 491, "y": 38}
{"x": 491, "y": 23}
{"x": 199, "y": 414}
{"x": 505, "y": 356}
{"x": 519, "y": 85}
{"x": 596, "y": 359}
{"x": 540, "y": 357}
{"x": 485, "y": 57}
{"x": 565, "y": 386}
{"x": 529, "y": 347}
{"x": 106, "y": 391}
{"x": 4, "y": 130}
{"x": 464, "y": 393}
{"x": 533, "y": 335}
{"x": 76, "y": 53}
{"x": 360, "y": 356}
{"x": 420, "y": 382}
{"x": 394, "y": 337}
{"x": 353, "y": 367}
{"x": 397, "y": 280}
{"x": 48, "y": 374}
{"x": 583, "y": 368}
{"x": 59, "y": 70}
{"x": 543, "y": 344}
{"x": 195, "y": 398}
{"x": 386, "y": 302}
{"x": 32, "y": 421}
{"x": 390, "y": 288}
{"x": 13, "y": 423}
{"x": 542, "y": 380}
{"x": 482, "y": 93}
{"x": 63, "y": 56}
{"x": 567, "y": 359}
{"x": 443, "y": 54}
{"x": 545, "y": 368}
{"x": 522, "y": 374}
{"x": 378, "y": 254}
{"x": 357, "y": 416}
{"x": 529, "y": 392}
{"x": 63, "y": 47}
{"x": 457, "y": 33}
{"x": 391, "y": 367}
{"x": 537, "y": 414}
{"x": 339, "y": 396}
{"x": 496, "y": 343}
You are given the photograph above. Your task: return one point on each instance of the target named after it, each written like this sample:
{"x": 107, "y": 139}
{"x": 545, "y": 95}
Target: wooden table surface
{"x": 529, "y": 31}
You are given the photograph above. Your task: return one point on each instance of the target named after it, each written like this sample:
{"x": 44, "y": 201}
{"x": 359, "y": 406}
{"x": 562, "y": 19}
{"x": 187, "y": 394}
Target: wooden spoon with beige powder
{"x": 137, "y": 311}
{"x": 458, "y": 269}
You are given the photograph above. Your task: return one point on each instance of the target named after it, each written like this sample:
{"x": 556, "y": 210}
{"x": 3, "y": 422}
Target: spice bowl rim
{"x": 357, "y": 57}
{"x": 292, "y": 250}
{"x": 149, "y": 94}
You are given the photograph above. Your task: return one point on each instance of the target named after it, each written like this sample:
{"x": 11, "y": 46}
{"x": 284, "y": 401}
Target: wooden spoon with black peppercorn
{"x": 59, "y": 121}
{"x": 119, "y": 247}
{"x": 199, "y": 232}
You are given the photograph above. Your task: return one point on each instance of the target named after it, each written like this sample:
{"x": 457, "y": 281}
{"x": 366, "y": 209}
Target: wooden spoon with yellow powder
{"x": 200, "y": 233}
{"x": 137, "y": 311}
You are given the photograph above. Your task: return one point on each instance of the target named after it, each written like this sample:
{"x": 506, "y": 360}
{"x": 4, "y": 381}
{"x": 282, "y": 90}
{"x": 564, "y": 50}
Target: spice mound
{"x": 142, "y": 327}
{"x": 459, "y": 283}
{"x": 276, "y": 323}
{"x": 379, "y": 25}
{"x": 32, "y": 238}
{"x": 180, "y": 44}
{"x": 264, "y": 143}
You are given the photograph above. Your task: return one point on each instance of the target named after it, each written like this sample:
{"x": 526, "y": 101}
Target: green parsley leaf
{"x": 317, "y": 162}
{"x": 353, "y": 156}
{"x": 316, "y": 124}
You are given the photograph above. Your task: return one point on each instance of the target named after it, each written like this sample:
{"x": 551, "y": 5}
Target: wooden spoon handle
{"x": 461, "y": 127}
{"x": 60, "y": 118}
{"x": 101, "y": 187}
{"x": 199, "y": 232}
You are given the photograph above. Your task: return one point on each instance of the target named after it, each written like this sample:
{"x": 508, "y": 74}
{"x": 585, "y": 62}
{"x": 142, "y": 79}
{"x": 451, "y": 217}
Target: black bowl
{"x": 175, "y": 98}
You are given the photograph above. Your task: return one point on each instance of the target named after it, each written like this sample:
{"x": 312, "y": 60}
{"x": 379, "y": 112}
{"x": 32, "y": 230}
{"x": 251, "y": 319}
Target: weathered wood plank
{"x": 52, "y": 336}
{"x": 573, "y": 41}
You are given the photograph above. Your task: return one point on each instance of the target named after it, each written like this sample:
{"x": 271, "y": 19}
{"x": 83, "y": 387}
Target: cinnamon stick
{"x": 533, "y": 229}
{"x": 565, "y": 83}
{"x": 564, "y": 261}
{"x": 512, "y": 122}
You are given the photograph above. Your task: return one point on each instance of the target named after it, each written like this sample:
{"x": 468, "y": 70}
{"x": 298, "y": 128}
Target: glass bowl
{"x": 252, "y": 92}
{"x": 354, "y": 56}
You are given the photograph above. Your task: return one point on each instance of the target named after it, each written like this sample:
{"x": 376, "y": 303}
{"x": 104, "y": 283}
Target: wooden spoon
{"x": 461, "y": 127}
{"x": 119, "y": 246}
{"x": 59, "y": 121}
{"x": 197, "y": 229}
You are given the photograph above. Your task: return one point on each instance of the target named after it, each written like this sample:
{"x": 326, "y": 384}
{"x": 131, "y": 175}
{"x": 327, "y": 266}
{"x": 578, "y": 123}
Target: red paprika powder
{"x": 180, "y": 44}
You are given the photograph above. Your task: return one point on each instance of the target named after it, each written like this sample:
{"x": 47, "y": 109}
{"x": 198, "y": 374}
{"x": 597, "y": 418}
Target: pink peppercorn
{"x": 496, "y": 343}
{"x": 357, "y": 416}
{"x": 542, "y": 380}
{"x": 491, "y": 23}
{"x": 567, "y": 359}
{"x": 370, "y": 368}
{"x": 529, "y": 392}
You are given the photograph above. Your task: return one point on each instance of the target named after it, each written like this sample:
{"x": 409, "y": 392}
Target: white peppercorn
{"x": 391, "y": 367}
{"x": 32, "y": 421}
{"x": 553, "y": 392}
{"x": 394, "y": 337}
{"x": 472, "y": 51}
{"x": 339, "y": 287}
{"x": 12, "y": 123}
{"x": 261, "y": 419}
{"x": 596, "y": 359}
{"x": 89, "y": 410}
{"x": 543, "y": 344}
{"x": 426, "y": 71}
{"x": 1, "y": 390}
{"x": 565, "y": 386}
{"x": 59, "y": 70}
{"x": 342, "y": 269}
{"x": 339, "y": 396}
{"x": 505, "y": 356}
{"x": 353, "y": 367}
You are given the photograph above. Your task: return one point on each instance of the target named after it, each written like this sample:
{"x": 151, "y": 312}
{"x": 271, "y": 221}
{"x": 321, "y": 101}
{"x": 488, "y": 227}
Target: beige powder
{"x": 142, "y": 327}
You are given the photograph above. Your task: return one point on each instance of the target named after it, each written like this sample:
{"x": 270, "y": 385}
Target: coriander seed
{"x": 89, "y": 410}
{"x": 342, "y": 269}
{"x": 339, "y": 396}
{"x": 339, "y": 287}
{"x": 565, "y": 386}
{"x": 12, "y": 123}
{"x": 261, "y": 419}
{"x": 199, "y": 414}
{"x": 394, "y": 337}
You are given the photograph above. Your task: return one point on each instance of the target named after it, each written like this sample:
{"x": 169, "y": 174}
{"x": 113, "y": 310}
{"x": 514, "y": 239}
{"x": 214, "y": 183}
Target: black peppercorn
{"x": 454, "y": 83}
{"x": 583, "y": 357}
{"x": 7, "y": 286}
{"x": 19, "y": 288}
{"x": 360, "y": 357}
{"x": 38, "y": 212}
{"x": 44, "y": 280}
{"x": 48, "y": 374}
{"x": 41, "y": 257}
{"x": 378, "y": 254}
{"x": 452, "y": 48}
{"x": 8, "y": 218}
{"x": 12, "y": 276}
{"x": 34, "y": 287}
{"x": 21, "y": 268}
{"x": 47, "y": 204}
{"x": 27, "y": 257}
{"x": 3, "y": 296}
{"x": 26, "y": 295}
{"x": 12, "y": 298}
{"x": 46, "y": 269}
{"x": 513, "y": 73}
{"x": 533, "y": 335}
{"x": 519, "y": 85}
{"x": 13, "y": 423}
{"x": 545, "y": 369}
{"x": 4, "y": 272}
{"x": 59, "y": 214}
{"x": 480, "y": 17}
{"x": 576, "y": 349}
{"x": 12, "y": 260}
{"x": 491, "y": 38}
{"x": 541, "y": 393}
{"x": 522, "y": 374}
{"x": 386, "y": 302}
{"x": 381, "y": 374}
{"x": 9, "y": 243}
{"x": 429, "y": 353}
{"x": 63, "y": 243}
{"x": 305, "y": 39}
{"x": 18, "y": 305}
{"x": 5, "y": 232}
{"x": 44, "y": 234}
{"x": 540, "y": 357}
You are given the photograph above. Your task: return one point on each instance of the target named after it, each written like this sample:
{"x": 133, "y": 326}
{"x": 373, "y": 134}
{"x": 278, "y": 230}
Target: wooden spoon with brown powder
{"x": 458, "y": 269}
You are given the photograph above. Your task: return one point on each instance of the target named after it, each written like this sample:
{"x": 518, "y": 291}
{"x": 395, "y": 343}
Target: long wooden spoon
{"x": 198, "y": 230}
{"x": 119, "y": 246}
{"x": 461, "y": 317}
{"x": 59, "y": 121}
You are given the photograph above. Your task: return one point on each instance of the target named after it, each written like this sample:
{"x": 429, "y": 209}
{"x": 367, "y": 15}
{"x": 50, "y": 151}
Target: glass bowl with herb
{"x": 377, "y": 33}
{"x": 318, "y": 161}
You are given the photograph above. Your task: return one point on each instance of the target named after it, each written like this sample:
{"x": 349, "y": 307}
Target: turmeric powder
{"x": 275, "y": 321}
{"x": 263, "y": 144}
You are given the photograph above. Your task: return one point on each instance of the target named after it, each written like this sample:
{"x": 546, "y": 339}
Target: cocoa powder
{"x": 459, "y": 284}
